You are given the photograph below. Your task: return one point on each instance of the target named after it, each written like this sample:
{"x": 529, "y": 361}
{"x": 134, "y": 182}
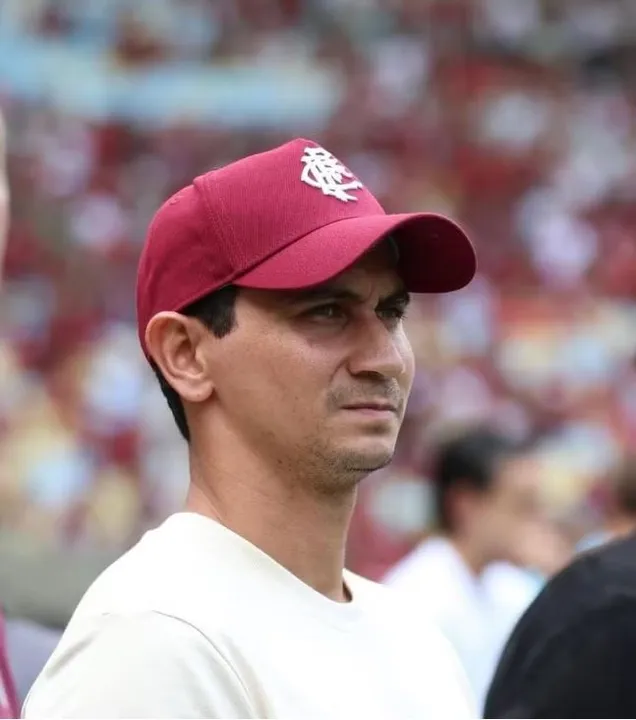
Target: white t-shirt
{"x": 197, "y": 622}
{"x": 476, "y": 613}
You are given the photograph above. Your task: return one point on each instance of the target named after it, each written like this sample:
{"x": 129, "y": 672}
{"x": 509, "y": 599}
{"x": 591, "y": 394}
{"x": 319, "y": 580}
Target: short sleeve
{"x": 144, "y": 665}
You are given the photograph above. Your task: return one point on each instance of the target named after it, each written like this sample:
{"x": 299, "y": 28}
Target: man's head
{"x": 487, "y": 491}
{"x": 270, "y": 296}
{"x": 316, "y": 379}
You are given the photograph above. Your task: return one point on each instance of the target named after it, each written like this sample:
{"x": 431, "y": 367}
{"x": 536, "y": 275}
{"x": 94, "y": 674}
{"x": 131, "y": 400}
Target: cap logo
{"x": 325, "y": 172}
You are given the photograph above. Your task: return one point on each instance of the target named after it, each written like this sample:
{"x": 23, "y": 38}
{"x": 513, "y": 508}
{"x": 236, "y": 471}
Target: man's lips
{"x": 372, "y": 406}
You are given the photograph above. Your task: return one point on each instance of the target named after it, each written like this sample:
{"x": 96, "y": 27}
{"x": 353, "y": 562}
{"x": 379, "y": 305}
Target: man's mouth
{"x": 373, "y": 407}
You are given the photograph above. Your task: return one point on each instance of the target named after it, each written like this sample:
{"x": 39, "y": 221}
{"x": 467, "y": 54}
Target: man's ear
{"x": 176, "y": 343}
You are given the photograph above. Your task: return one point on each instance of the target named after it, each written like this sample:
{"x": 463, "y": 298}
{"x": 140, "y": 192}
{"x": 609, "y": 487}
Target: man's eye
{"x": 328, "y": 311}
{"x": 397, "y": 312}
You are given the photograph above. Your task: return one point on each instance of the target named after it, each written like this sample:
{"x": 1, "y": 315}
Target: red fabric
{"x": 256, "y": 224}
{"x": 8, "y": 696}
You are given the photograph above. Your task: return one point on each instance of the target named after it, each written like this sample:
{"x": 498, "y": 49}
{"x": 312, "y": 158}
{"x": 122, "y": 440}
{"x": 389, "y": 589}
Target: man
{"x": 270, "y": 306}
{"x": 573, "y": 652}
{"x": 466, "y": 578}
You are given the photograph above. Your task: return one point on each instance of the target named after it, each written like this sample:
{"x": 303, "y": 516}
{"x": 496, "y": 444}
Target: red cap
{"x": 285, "y": 219}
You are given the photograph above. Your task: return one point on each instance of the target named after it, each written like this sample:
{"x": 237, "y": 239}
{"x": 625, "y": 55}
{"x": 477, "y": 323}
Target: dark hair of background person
{"x": 468, "y": 460}
{"x": 217, "y": 312}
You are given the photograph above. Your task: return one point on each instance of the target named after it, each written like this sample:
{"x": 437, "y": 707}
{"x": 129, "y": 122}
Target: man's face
{"x": 318, "y": 380}
{"x": 512, "y": 504}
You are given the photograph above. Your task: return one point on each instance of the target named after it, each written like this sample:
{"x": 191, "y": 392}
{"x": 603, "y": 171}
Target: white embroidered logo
{"x": 325, "y": 172}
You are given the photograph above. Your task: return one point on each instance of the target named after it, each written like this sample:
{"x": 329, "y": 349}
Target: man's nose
{"x": 379, "y": 351}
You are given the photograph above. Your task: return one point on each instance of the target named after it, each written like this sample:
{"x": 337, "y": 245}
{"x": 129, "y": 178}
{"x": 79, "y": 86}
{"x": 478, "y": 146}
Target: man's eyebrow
{"x": 336, "y": 294}
{"x": 400, "y": 297}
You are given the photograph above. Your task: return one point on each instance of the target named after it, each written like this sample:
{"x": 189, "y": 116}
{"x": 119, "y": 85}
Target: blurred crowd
{"x": 517, "y": 117}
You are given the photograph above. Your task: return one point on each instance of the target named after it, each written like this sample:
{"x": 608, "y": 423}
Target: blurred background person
{"x": 619, "y": 516}
{"x": 474, "y": 578}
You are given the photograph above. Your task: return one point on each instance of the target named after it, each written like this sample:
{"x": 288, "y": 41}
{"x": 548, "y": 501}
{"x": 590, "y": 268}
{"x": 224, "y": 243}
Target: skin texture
{"x": 277, "y": 447}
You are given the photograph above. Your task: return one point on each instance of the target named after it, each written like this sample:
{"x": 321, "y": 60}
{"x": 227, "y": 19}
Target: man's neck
{"x": 304, "y": 533}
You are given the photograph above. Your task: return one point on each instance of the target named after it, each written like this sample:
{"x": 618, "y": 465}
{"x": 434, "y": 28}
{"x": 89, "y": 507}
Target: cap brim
{"x": 435, "y": 254}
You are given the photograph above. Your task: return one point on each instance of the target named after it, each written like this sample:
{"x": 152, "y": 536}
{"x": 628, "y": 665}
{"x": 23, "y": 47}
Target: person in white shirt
{"x": 471, "y": 578}
{"x": 270, "y": 298}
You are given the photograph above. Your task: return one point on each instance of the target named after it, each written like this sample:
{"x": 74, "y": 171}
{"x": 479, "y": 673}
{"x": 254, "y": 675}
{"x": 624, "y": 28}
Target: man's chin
{"x": 369, "y": 459}
{"x": 348, "y": 469}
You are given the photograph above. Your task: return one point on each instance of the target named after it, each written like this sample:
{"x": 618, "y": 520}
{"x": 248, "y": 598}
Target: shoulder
{"x": 162, "y": 574}
{"x": 138, "y": 664}
{"x": 140, "y": 580}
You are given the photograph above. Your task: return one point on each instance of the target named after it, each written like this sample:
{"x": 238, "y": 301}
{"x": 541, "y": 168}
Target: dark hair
{"x": 217, "y": 312}
{"x": 468, "y": 461}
